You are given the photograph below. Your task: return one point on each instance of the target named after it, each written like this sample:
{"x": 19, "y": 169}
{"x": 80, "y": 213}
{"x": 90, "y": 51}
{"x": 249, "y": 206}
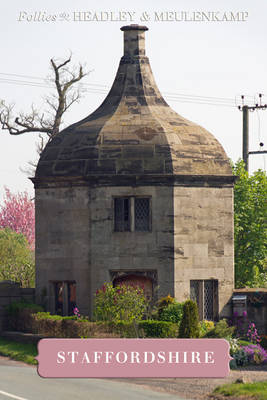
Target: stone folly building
{"x": 134, "y": 193}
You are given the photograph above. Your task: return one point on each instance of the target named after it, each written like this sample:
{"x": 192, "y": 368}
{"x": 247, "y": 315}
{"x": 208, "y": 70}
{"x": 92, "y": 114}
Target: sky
{"x": 196, "y": 64}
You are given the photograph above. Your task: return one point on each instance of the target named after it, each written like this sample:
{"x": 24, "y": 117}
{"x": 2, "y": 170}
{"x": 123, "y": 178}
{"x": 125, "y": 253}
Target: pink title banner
{"x": 133, "y": 358}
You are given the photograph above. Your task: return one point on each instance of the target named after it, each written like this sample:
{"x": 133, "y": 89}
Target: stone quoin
{"x": 134, "y": 193}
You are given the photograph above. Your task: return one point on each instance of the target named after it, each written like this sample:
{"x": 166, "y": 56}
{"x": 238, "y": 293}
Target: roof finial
{"x": 134, "y": 40}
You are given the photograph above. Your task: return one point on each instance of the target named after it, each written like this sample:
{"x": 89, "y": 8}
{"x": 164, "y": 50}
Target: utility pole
{"x": 245, "y": 110}
{"x": 245, "y": 148}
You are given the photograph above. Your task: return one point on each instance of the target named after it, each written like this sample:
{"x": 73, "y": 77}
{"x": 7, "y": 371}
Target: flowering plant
{"x": 252, "y": 333}
{"x": 239, "y": 321}
{"x": 234, "y": 346}
{"x": 205, "y": 326}
{"x": 76, "y": 312}
{"x": 122, "y": 302}
{"x": 255, "y": 353}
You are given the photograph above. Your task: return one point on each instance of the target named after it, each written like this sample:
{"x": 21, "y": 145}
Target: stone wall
{"x": 132, "y": 252}
{"x": 10, "y": 292}
{"x": 191, "y": 238}
{"x": 204, "y": 246}
{"x": 62, "y": 243}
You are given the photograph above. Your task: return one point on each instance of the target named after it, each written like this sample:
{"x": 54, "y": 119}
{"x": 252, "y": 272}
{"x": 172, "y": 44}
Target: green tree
{"x": 189, "y": 327}
{"x": 250, "y": 217}
{"x": 16, "y": 258}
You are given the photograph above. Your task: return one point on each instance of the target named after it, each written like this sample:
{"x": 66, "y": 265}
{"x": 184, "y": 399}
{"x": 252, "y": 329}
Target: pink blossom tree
{"x": 17, "y": 213}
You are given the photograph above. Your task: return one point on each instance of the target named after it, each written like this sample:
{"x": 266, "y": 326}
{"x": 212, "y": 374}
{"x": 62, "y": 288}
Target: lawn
{"x": 257, "y": 390}
{"x": 18, "y": 351}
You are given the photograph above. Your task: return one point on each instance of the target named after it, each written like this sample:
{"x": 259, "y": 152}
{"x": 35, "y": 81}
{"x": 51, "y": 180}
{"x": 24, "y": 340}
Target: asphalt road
{"x": 21, "y": 382}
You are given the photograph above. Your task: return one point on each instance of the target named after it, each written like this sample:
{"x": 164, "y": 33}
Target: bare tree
{"x": 65, "y": 79}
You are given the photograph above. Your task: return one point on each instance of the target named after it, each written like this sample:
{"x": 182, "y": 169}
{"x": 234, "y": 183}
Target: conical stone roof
{"x": 134, "y": 132}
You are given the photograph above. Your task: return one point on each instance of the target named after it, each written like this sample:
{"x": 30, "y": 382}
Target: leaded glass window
{"x": 208, "y": 300}
{"x": 205, "y": 293}
{"x": 141, "y": 211}
{"x": 132, "y": 214}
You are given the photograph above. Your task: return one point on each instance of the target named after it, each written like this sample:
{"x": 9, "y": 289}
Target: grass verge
{"x": 257, "y": 390}
{"x": 24, "y": 352}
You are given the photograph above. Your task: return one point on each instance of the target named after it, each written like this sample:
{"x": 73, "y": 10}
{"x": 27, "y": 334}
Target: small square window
{"x": 132, "y": 214}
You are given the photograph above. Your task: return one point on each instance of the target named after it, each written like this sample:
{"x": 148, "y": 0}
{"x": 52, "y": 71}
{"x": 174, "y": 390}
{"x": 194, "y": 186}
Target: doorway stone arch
{"x": 145, "y": 279}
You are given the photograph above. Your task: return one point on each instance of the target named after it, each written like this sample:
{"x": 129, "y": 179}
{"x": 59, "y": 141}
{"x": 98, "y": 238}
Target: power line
{"x": 206, "y": 97}
{"x": 25, "y": 83}
{"x": 106, "y": 86}
{"x": 99, "y": 88}
{"x": 182, "y": 100}
{"x": 177, "y": 98}
{"x": 46, "y": 79}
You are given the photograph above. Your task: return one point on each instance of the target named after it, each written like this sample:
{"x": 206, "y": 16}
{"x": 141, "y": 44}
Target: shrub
{"x": 47, "y": 325}
{"x": 245, "y": 353}
{"x": 242, "y": 342}
{"x": 221, "y": 330}
{"x": 14, "y": 308}
{"x": 17, "y": 260}
{"x": 205, "y": 326}
{"x": 67, "y": 327}
{"x": 240, "y": 357}
{"x": 43, "y": 325}
{"x": 189, "y": 327}
{"x": 20, "y": 315}
{"x": 147, "y": 328}
{"x": 234, "y": 346}
{"x": 239, "y": 321}
{"x": 165, "y": 301}
{"x": 172, "y": 313}
{"x": 47, "y": 315}
{"x": 255, "y": 353}
{"x": 124, "y": 329}
{"x": 160, "y": 329}
{"x": 249, "y": 354}
{"x": 123, "y": 302}
{"x": 263, "y": 342}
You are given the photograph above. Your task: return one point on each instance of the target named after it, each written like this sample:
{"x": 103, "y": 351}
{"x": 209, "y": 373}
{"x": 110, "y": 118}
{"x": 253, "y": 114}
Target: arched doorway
{"x": 136, "y": 280}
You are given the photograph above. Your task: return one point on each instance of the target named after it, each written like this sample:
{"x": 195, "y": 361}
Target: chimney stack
{"x": 134, "y": 40}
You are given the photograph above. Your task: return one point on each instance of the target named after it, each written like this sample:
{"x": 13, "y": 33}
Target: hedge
{"x": 42, "y": 323}
{"x": 161, "y": 329}
{"x": 20, "y": 316}
{"x": 147, "y": 328}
